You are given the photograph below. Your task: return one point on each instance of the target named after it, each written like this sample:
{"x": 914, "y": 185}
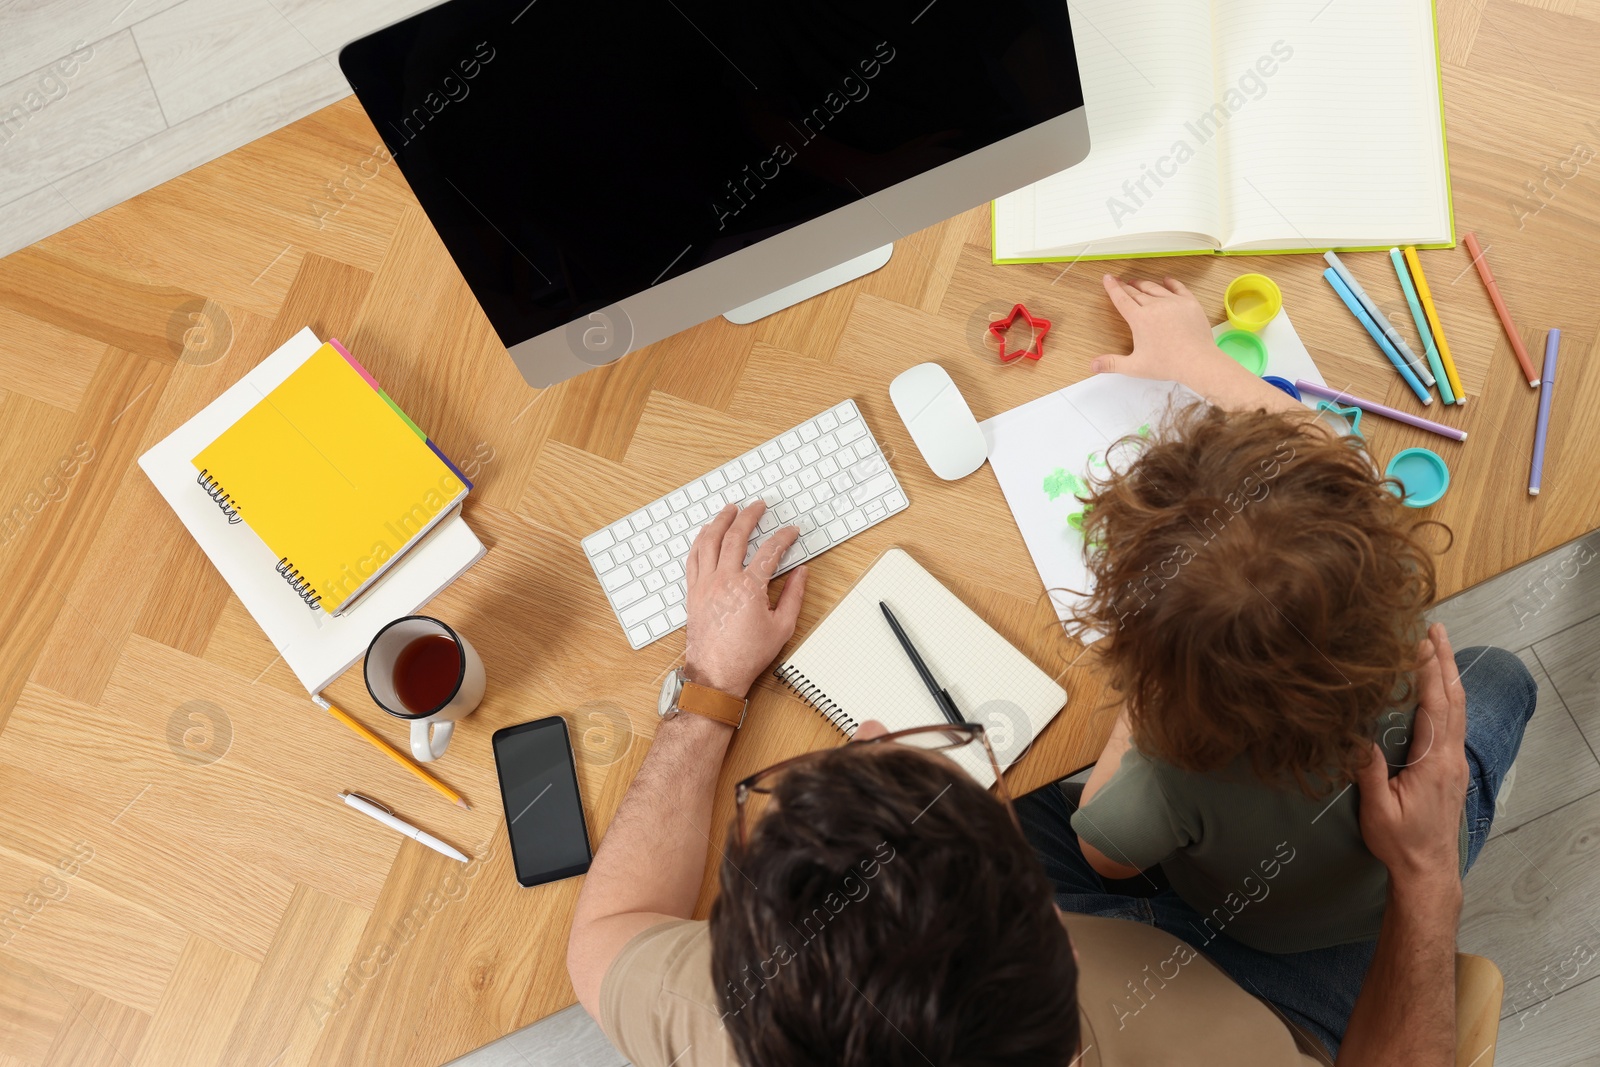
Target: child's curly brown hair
{"x": 1261, "y": 591}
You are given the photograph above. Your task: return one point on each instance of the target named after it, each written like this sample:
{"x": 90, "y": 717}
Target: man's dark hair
{"x": 888, "y": 913}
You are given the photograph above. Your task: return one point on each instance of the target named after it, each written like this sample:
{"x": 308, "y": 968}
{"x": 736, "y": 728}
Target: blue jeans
{"x": 1316, "y": 990}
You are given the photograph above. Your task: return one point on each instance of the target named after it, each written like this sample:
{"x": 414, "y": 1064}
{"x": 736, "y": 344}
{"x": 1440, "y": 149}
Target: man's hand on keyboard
{"x": 733, "y": 632}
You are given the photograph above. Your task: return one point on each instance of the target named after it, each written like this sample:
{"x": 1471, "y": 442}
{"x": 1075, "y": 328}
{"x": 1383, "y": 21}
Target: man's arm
{"x": 1104, "y": 769}
{"x": 649, "y": 866}
{"x": 1406, "y": 1012}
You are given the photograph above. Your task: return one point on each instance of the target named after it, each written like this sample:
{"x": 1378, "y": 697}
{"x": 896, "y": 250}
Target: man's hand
{"x": 733, "y": 632}
{"x": 1172, "y": 342}
{"x": 1411, "y": 822}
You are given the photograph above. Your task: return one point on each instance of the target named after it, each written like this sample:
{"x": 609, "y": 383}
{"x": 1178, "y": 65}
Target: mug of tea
{"x": 421, "y": 670}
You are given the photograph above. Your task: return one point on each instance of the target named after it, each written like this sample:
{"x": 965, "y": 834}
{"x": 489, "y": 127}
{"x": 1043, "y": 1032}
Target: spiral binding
{"x": 222, "y": 499}
{"x": 807, "y": 690}
{"x": 298, "y": 583}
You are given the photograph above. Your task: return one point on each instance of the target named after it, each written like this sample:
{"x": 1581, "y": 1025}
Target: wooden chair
{"x": 1479, "y": 990}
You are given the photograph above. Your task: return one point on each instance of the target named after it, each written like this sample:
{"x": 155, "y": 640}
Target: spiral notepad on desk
{"x": 851, "y": 668}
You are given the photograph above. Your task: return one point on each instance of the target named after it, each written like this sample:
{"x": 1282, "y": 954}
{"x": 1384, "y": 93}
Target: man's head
{"x": 1262, "y": 593}
{"x": 886, "y": 911}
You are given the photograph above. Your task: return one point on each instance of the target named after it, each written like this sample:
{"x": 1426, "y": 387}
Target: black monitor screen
{"x": 572, "y": 153}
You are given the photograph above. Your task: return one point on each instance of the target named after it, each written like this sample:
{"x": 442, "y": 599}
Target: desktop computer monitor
{"x": 605, "y": 175}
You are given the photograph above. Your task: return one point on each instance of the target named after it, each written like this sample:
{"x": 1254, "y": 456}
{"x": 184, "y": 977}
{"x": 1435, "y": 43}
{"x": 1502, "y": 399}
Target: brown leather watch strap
{"x": 713, "y": 704}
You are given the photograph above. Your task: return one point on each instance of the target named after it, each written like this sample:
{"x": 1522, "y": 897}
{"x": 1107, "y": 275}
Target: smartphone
{"x": 544, "y": 813}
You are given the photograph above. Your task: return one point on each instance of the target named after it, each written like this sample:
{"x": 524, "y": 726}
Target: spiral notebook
{"x": 333, "y": 476}
{"x": 851, "y": 668}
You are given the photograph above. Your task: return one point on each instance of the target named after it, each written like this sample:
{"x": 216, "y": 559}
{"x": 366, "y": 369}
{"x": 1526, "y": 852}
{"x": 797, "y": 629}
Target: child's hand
{"x": 1172, "y": 342}
{"x": 1170, "y": 331}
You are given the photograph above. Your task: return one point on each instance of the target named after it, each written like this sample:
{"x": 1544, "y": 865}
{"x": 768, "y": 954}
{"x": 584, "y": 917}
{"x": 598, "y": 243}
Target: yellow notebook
{"x": 332, "y": 476}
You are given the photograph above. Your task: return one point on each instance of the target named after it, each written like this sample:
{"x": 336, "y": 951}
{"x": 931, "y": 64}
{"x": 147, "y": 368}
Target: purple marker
{"x": 1313, "y": 389}
{"x": 1541, "y": 430}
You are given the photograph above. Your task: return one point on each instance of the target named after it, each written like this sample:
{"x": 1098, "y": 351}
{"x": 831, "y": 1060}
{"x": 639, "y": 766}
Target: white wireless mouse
{"x": 940, "y": 422}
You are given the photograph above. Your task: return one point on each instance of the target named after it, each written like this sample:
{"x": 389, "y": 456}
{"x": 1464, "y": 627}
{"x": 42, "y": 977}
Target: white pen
{"x": 1418, "y": 366}
{"x": 383, "y": 815}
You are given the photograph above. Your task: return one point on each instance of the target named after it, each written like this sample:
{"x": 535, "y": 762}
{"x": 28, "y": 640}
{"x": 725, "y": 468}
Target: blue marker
{"x": 1434, "y": 362}
{"x": 1382, "y": 342}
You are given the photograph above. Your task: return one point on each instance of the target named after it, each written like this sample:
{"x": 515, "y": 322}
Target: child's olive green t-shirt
{"x": 1270, "y": 867}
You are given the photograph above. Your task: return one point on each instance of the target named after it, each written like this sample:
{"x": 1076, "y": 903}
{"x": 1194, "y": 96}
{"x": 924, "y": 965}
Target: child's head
{"x": 1261, "y": 591}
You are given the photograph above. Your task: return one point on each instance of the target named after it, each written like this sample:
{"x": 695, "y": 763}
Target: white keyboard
{"x": 827, "y": 476}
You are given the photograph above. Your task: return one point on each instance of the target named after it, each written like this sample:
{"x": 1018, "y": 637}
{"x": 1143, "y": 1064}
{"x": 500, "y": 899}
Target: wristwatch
{"x": 680, "y": 694}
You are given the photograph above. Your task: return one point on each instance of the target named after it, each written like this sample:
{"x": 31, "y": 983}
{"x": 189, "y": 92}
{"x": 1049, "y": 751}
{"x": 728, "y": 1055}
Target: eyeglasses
{"x": 942, "y": 739}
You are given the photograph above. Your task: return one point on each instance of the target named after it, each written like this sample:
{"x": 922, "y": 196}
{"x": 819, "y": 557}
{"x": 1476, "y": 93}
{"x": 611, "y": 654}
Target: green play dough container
{"x": 1246, "y": 349}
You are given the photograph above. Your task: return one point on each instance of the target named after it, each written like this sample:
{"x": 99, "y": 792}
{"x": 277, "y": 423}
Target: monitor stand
{"x": 806, "y": 288}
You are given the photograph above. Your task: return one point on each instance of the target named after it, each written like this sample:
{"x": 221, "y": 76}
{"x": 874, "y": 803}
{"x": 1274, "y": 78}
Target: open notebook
{"x": 851, "y": 668}
{"x": 1245, "y": 126}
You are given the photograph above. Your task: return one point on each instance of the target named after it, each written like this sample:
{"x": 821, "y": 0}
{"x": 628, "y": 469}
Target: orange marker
{"x": 1471, "y": 240}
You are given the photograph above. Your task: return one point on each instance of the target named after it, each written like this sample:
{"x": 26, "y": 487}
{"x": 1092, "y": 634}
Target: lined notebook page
{"x": 854, "y": 660}
{"x": 1146, "y": 72}
{"x": 1344, "y": 143}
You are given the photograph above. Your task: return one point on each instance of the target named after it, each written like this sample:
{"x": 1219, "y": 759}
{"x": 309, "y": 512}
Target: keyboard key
{"x": 805, "y": 524}
{"x": 603, "y": 562}
{"x": 697, "y": 513}
{"x": 628, "y": 594}
{"x": 676, "y": 615}
{"x": 852, "y": 430}
{"x": 875, "y": 511}
{"x": 868, "y": 467}
{"x": 659, "y": 533}
{"x": 827, "y": 422}
{"x": 659, "y": 556}
{"x": 639, "y": 565}
{"x": 653, "y": 581}
{"x": 752, "y": 485}
{"x": 771, "y": 475}
{"x": 673, "y": 593}
{"x": 856, "y": 520}
{"x": 840, "y": 482}
{"x": 715, "y": 503}
{"x": 822, "y": 491}
{"x": 679, "y": 547}
{"x": 828, "y": 445}
{"x": 837, "y": 530}
{"x": 809, "y": 454}
{"x": 789, "y": 487}
{"x": 716, "y": 480}
{"x": 641, "y": 521}
{"x": 895, "y": 500}
{"x": 769, "y": 522}
{"x": 771, "y": 495}
{"x": 639, "y": 635}
{"x": 809, "y": 477}
{"x": 809, "y": 432}
{"x": 639, "y": 543}
{"x": 815, "y": 541}
{"x": 658, "y": 625}
{"x": 678, "y": 500}
{"x": 620, "y": 530}
{"x": 846, "y": 410}
{"x": 874, "y": 487}
{"x": 795, "y": 554}
{"x": 678, "y": 524}
{"x": 827, "y": 468}
{"x": 697, "y": 491}
{"x": 659, "y": 510}
{"x": 789, "y": 464}
{"x": 790, "y": 441}
{"x": 771, "y": 451}
{"x": 622, "y": 553}
{"x": 805, "y": 502}
{"x": 673, "y": 571}
{"x": 752, "y": 462}
{"x": 823, "y": 514}
{"x": 786, "y": 511}
{"x": 637, "y": 613}
{"x": 614, "y": 580}
{"x": 597, "y": 543}
{"x": 865, "y": 448}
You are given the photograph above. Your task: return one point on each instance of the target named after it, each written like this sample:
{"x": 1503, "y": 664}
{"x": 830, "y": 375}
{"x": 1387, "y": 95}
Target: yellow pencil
{"x": 1434, "y": 324}
{"x": 392, "y": 752}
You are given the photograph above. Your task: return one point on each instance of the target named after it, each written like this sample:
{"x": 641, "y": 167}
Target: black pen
{"x": 941, "y": 696}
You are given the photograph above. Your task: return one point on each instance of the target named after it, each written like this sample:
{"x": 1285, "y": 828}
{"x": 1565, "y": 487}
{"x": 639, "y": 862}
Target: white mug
{"x": 457, "y": 680}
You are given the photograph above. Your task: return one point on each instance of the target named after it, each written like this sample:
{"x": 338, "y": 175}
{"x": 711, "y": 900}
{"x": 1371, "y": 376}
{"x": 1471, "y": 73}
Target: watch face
{"x": 667, "y": 706}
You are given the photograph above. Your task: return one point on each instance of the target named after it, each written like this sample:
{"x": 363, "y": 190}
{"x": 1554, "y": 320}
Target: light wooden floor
{"x": 189, "y": 889}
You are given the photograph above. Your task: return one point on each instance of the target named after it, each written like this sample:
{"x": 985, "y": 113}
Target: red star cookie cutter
{"x": 1035, "y": 347}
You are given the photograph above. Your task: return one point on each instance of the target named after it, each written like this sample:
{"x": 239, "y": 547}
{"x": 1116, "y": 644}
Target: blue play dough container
{"x": 1423, "y": 474}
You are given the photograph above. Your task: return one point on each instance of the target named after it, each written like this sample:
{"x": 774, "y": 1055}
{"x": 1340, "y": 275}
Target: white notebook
{"x": 1240, "y": 125}
{"x": 851, "y": 668}
{"x": 318, "y": 647}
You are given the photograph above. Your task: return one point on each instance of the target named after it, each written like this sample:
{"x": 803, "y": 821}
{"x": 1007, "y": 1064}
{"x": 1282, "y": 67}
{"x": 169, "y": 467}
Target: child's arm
{"x": 1110, "y": 759}
{"x": 1172, "y": 342}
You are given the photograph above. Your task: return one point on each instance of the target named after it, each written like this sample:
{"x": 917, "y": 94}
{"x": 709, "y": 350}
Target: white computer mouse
{"x": 940, "y": 422}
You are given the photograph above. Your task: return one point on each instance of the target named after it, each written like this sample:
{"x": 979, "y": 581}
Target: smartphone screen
{"x": 544, "y": 814}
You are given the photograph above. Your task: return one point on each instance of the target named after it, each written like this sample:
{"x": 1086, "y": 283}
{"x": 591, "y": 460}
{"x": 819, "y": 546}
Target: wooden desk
{"x": 188, "y": 891}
